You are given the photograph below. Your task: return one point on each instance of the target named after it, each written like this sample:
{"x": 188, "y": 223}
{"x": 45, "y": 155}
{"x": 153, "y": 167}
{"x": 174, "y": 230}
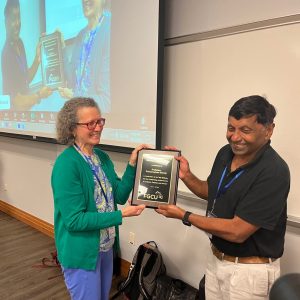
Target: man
{"x": 247, "y": 192}
{"x": 15, "y": 72}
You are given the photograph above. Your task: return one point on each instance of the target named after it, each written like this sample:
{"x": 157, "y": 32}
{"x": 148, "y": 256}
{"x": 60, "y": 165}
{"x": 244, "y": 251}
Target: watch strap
{"x": 185, "y": 219}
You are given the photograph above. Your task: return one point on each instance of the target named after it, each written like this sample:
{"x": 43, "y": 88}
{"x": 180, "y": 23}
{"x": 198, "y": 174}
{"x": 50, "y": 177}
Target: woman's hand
{"x": 134, "y": 154}
{"x": 132, "y": 210}
{"x": 65, "y": 92}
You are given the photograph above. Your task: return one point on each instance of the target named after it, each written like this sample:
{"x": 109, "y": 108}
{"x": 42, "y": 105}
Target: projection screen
{"x": 51, "y": 53}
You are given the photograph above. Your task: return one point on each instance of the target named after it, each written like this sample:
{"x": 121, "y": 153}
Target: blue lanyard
{"x": 225, "y": 188}
{"x": 85, "y": 54}
{"x": 93, "y": 170}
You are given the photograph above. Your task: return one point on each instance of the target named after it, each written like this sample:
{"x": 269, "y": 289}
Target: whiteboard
{"x": 203, "y": 79}
{"x": 195, "y": 16}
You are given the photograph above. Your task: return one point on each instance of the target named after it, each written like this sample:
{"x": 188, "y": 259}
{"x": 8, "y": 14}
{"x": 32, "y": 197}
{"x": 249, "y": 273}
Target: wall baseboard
{"x": 44, "y": 227}
{"x": 124, "y": 269}
{"x": 27, "y": 218}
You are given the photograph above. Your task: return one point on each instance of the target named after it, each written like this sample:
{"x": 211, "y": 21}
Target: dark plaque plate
{"x": 156, "y": 178}
{"x": 52, "y": 60}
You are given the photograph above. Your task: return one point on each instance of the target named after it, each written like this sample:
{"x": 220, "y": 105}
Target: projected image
{"x": 54, "y": 50}
{"x": 64, "y": 63}
{"x": 87, "y": 62}
{"x": 16, "y": 74}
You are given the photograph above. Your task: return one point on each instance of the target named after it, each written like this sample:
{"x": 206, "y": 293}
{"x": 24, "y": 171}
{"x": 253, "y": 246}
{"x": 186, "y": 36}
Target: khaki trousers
{"x": 235, "y": 281}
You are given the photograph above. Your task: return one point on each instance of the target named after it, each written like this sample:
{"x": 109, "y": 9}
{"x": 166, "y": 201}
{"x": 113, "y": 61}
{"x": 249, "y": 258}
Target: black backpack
{"x": 146, "y": 266}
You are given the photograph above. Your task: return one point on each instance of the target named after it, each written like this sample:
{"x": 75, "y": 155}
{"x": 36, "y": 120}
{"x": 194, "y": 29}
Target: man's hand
{"x": 45, "y": 92}
{"x": 38, "y": 53}
{"x": 170, "y": 211}
{"x": 65, "y": 92}
{"x": 184, "y": 167}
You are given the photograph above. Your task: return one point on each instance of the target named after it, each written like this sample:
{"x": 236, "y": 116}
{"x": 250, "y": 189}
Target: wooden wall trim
{"x": 124, "y": 267}
{"x": 27, "y": 218}
{"x": 44, "y": 227}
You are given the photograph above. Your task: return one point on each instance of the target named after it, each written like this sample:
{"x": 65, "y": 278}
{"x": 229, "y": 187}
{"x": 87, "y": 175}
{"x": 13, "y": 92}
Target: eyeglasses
{"x": 93, "y": 124}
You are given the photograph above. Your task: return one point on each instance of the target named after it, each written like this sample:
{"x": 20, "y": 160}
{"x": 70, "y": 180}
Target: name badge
{"x": 210, "y": 214}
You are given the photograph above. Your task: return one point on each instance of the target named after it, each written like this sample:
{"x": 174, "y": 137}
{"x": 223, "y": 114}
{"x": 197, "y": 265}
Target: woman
{"x": 86, "y": 192}
{"x": 88, "y": 68}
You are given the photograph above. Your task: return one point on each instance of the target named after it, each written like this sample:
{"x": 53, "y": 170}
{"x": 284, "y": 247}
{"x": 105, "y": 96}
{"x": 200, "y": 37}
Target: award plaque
{"x": 52, "y": 60}
{"x": 156, "y": 178}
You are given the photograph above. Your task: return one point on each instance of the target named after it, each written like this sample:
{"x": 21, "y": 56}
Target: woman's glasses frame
{"x": 93, "y": 124}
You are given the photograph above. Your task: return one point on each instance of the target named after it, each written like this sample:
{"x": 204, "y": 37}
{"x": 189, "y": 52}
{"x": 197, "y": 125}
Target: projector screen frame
{"x": 159, "y": 91}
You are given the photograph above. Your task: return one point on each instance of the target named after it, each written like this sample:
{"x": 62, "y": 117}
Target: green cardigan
{"x": 77, "y": 223}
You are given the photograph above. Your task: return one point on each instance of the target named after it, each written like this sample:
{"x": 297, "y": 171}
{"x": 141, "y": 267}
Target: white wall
{"x": 25, "y": 170}
{"x": 25, "y": 166}
{"x": 204, "y": 78}
{"x": 194, "y": 16}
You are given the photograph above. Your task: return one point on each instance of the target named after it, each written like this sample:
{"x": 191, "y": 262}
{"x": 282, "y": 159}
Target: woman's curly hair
{"x": 67, "y": 118}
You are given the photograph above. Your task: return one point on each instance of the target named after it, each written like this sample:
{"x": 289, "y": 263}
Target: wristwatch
{"x": 185, "y": 219}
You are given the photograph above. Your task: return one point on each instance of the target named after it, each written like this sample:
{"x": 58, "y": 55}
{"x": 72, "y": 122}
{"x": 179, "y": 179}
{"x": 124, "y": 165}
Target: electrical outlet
{"x": 131, "y": 238}
{"x": 5, "y": 187}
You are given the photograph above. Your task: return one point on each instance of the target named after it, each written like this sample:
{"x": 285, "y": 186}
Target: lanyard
{"x": 87, "y": 159}
{"x": 85, "y": 55}
{"x": 225, "y": 188}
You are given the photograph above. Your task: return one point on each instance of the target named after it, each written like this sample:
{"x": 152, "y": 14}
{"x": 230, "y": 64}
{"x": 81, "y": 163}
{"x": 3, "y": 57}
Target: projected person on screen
{"x": 15, "y": 72}
{"x": 88, "y": 69}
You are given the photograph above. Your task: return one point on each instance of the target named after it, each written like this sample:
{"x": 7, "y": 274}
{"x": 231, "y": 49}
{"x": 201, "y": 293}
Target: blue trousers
{"x": 91, "y": 285}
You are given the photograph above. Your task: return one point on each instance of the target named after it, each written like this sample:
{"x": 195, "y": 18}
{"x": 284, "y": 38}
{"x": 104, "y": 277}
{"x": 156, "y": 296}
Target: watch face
{"x": 187, "y": 223}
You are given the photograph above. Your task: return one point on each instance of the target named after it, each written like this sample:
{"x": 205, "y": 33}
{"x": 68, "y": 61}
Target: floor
{"x": 22, "y": 276}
